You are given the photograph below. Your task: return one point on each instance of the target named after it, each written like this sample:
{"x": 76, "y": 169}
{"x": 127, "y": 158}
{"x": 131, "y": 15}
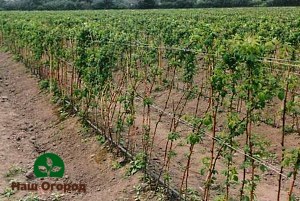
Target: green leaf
{"x": 281, "y": 94}
{"x": 246, "y": 198}
{"x": 173, "y": 136}
{"x": 262, "y": 168}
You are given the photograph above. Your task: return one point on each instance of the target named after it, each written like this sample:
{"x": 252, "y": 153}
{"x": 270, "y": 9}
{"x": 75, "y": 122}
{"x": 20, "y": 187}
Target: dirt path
{"x": 30, "y": 125}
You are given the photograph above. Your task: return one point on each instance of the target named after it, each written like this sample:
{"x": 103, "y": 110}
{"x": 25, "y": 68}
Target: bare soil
{"x": 31, "y": 125}
{"x": 267, "y": 187}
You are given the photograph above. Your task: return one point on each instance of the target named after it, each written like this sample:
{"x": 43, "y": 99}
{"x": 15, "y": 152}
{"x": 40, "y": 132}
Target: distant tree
{"x": 89, "y": 2}
{"x": 240, "y": 3}
{"x": 286, "y": 3}
{"x": 60, "y": 5}
{"x": 70, "y": 5}
{"x": 146, "y": 4}
{"x": 108, "y": 3}
{"x": 178, "y": 3}
{"x": 26, "y": 5}
{"x": 103, "y": 4}
{"x": 226, "y": 3}
{"x": 2, "y": 4}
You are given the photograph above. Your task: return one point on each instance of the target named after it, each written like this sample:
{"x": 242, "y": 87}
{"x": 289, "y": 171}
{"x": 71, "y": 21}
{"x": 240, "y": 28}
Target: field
{"x": 205, "y": 102}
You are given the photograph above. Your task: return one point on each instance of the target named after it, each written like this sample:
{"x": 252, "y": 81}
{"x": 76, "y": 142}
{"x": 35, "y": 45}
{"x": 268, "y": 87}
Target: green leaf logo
{"x": 49, "y": 165}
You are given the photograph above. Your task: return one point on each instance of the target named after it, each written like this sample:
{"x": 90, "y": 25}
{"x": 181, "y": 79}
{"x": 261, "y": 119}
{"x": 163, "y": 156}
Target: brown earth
{"x": 266, "y": 189}
{"x": 31, "y": 125}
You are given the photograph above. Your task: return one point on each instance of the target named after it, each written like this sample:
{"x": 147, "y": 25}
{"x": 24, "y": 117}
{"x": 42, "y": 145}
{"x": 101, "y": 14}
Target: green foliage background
{"x": 132, "y": 4}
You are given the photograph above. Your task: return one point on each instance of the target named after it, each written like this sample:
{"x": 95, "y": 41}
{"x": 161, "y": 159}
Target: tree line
{"x": 135, "y": 4}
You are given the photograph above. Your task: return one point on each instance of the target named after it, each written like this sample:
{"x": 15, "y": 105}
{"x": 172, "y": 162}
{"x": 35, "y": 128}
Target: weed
{"x": 137, "y": 164}
{"x": 8, "y": 192}
{"x": 138, "y": 191}
{"x": 181, "y": 144}
{"x": 85, "y": 129}
{"x": 193, "y": 195}
{"x": 44, "y": 84}
{"x": 161, "y": 194}
{"x": 288, "y": 129}
{"x": 56, "y": 197}
{"x": 63, "y": 115}
{"x": 30, "y": 197}
{"x": 55, "y": 99}
{"x": 14, "y": 171}
{"x": 17, "y": 58}
{"x": 269, "y": 121}
{"x": 116, "y": 165}
{"x": 4, "y": 49}
{"x": 100, "y": 139}
{"x": 220, "y": 198}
